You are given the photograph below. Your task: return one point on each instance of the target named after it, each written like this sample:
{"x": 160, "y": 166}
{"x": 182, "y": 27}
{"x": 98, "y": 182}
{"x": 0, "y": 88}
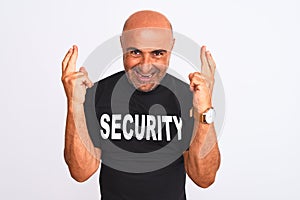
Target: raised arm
{"x": 80, "y": 154}
{"x": 202, "y": 160}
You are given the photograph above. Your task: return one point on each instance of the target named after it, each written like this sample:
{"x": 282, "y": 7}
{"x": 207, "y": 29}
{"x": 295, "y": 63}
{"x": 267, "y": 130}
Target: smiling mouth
{"x": 144, "y": 77}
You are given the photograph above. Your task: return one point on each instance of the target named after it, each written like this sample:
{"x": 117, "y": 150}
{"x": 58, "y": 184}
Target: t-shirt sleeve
{"x": 91, "y": 117}
{"x": 186, "y": 104}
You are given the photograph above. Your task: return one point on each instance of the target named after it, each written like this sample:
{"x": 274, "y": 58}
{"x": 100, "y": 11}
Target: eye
{"x": 159, "y": 53}
{"x": 135, "y": 52}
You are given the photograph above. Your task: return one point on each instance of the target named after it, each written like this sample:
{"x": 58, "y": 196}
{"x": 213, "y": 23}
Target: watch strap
{"x": 201, "y": 117}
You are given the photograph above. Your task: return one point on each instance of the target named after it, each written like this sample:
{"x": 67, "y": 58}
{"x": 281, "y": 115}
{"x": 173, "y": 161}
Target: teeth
{"x": 145, "y": 76}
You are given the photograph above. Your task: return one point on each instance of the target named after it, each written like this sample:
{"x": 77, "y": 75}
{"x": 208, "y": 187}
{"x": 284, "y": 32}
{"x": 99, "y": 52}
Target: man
{"x": 147, "y": 42}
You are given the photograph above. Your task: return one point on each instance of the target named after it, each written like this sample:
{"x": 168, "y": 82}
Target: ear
{"x": 121, "y": 42}
{"x": 173, "y": 42}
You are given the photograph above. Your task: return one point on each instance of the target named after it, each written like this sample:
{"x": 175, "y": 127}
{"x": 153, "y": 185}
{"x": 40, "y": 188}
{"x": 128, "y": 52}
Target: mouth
{"x": 144, "y": 77}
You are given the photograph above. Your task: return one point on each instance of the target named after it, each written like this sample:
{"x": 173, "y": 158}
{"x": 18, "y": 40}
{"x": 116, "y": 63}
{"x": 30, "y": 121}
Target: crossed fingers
{"x": 69, "y": 62}
{"x": 208, "y": 66}
{"x": 198, "y": 81}
{"x": 69, "y": 68}
{"x": 206, "y": 77}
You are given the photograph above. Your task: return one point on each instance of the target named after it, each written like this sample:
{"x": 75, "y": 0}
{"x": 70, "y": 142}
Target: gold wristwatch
{"x": 207, "y": 117}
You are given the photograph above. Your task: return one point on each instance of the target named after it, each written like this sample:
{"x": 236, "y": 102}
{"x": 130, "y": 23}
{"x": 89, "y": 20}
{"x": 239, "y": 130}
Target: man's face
{"x": 146, "y": 56}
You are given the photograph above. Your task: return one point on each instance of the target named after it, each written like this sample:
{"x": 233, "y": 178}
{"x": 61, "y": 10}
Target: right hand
{"x": 75, "y": 82}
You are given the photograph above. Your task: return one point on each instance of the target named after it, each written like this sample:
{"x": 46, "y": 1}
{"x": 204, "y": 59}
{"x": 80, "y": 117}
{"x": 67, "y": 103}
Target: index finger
{"x": 203, "y": 58}
{"x": 211, "y": 63}
{"x": 205, "y": 69}
{"x": 66, "y": 59}
{"x": 71, "y": 63}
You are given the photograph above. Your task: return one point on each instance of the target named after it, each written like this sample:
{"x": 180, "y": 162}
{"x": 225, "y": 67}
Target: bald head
{"x": 147, "y": 19}
{"x": 147, "y": 41}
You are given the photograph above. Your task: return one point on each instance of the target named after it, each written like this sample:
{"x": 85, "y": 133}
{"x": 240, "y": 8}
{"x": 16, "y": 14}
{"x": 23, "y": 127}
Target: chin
{"x": 144, "y": 86}
{"x": 147, "y": 87}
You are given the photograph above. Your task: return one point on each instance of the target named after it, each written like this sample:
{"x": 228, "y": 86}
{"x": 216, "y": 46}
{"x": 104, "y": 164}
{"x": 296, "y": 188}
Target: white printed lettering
{"x": 167, "y": 120}
{"x": 139, "y": 135}
{"x": 151, "y": 123}
{"x": 178, "y": 126}
{"x": 127, "y": 135}
{"x": 114, "y": 125}
{"x": 147, "y": 127}
{"x": 159, "y": 134}
{"x": 103, "y": 122}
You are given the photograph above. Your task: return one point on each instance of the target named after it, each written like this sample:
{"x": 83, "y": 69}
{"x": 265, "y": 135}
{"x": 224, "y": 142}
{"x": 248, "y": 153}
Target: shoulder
{"x": 109, "y": 82}
{"x": 104, "y": 86}
{"x": 112, "y": 78}
{"x": 182, "y": 92}
{"x": 176, "y": 85}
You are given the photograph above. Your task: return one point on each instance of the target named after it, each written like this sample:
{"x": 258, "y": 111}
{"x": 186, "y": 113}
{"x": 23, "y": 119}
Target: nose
{"x": 146, "y": 64}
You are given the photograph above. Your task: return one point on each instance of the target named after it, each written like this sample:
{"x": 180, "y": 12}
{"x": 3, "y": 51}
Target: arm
{"x": 203, "y": 158}
{"x": 80, "y": 154}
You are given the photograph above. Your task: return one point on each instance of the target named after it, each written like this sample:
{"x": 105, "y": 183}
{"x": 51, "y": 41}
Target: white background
{"x": 255, "y": 44}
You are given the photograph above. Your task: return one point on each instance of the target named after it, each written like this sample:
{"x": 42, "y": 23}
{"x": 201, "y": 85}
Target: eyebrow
{"x": 159, "y": 50}
{"x": 134, "y": 49}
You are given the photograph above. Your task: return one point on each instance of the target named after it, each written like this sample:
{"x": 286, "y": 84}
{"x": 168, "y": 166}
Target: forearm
{"x": 80, "y": 154}
{"x": 203, "y": 158}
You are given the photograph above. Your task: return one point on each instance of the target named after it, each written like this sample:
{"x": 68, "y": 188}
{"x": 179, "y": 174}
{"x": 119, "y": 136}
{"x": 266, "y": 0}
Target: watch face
{"x": 210, "y": 116}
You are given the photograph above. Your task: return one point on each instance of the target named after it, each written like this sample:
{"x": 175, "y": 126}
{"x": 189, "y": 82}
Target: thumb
{"x": 191, "y": 76}
{"x": 87, "y": 81}
{"x": 83, "y": 70}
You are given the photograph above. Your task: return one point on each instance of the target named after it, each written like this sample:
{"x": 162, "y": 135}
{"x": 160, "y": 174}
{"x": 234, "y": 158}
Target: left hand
{"x": 201, "y": 84}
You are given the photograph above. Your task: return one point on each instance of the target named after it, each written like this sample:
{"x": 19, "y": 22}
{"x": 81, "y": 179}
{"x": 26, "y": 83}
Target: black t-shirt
{"x": 140, "y": 122}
